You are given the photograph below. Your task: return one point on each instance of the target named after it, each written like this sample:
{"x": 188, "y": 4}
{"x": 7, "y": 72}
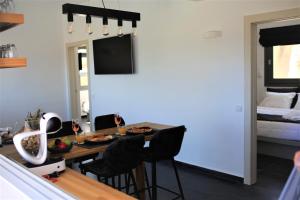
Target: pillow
{"x": 286, "y": 90}
{"x": 278, "y": 100}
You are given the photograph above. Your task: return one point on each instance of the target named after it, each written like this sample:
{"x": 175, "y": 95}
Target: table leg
{"x": 140, "y": 180}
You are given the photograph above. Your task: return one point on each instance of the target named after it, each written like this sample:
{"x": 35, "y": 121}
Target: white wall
{"x": 42, "y": 83}
{"x": 182, "y": 78}
{"x": 261, "y": 89}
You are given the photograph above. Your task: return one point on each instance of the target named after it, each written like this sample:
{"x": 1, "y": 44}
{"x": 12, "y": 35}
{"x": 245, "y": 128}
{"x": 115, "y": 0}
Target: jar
{"x": 12, "y": 51}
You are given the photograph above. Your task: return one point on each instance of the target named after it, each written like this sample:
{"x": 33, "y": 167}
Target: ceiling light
{"x": 134, "y": 28}
{"x": 120, "y": 27}
{"x": 105, "y": 31}
{"x": 89, "y": 24}
{"x": 103, "y": 13}
{"x": 70, "y": 22}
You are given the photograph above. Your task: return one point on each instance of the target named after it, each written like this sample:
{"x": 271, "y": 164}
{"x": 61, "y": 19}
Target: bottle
{"x": 1, "y": 51}
{"x": 10, "y": 51}
{"x": 6, "y": 51}
{"x": 13, "y": 51}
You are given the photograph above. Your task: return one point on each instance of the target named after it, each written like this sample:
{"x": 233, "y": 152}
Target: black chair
{"x": 65, "y": 131}
{"x": 164, "y": 145}
{"x": 103, "y": 122}
{"x": 106, "y": 121}
{"x": 120, "y": 158}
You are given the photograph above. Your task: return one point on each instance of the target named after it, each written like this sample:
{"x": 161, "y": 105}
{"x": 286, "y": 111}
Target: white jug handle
{"x": 40, "y": 158}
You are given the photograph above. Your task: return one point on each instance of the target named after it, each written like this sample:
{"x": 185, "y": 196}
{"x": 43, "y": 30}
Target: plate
{"x": 146, "y": 130}
{"x": 100, "y": 139}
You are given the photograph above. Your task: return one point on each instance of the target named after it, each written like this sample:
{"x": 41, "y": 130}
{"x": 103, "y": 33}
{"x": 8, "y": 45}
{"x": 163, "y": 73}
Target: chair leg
{"x": 154, "y": 184}
{"x": 113, "y": 182}
{"x": 147, "y": 184}
{"x": 178, "y": 179}
{"x": 83, "y": 171}
{"x": 70, "y": 164}
{"x": 106, "y": 180}
{"x": 119, "y": 182}
{"x": 127, "y": 183}
{"x": 134, "y": 185}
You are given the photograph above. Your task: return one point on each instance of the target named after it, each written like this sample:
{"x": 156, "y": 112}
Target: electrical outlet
{"x": 239, "y": 108}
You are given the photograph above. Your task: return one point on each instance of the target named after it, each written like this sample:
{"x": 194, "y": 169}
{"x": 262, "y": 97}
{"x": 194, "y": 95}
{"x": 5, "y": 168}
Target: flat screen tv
{"x": 113, "y": 55}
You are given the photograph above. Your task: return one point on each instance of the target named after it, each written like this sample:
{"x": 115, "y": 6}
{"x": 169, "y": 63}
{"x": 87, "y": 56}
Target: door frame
{"x": 250, "y": 89}
{"x": 71, "y": 61}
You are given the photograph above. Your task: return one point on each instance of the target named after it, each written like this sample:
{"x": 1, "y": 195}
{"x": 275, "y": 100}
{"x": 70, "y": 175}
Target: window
{"x": 282, "y": 65}
{"x": 282, "y": 55}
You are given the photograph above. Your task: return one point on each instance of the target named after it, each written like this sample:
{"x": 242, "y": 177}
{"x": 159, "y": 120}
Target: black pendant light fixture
{"x": 121, "y": 16}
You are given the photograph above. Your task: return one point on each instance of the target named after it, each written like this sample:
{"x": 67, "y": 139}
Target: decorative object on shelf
{"x": 8, "y": 51}
{"x": 7, "y": 5}
{"x": 104, "y": 13}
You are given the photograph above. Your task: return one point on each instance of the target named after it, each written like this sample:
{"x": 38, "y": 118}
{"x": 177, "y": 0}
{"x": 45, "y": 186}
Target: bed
{"x": 277, "y": 135}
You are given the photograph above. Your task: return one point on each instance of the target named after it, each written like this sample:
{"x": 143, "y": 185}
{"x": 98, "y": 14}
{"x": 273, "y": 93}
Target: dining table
{"x": 79, "y": 151}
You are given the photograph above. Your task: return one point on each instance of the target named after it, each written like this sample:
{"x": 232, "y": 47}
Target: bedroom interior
{"x": 177, "y": 47}
{"x": 278, "y": 114}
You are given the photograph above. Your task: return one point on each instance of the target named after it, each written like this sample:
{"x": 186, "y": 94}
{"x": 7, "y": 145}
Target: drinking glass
{"x": 75, "y": 126}
{"x": 80, "y": 137}
{"x": 118, "y": 119}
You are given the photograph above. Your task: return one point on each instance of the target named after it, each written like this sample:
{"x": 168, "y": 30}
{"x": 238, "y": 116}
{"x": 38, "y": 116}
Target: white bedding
{"x": 272, "y": 111}
{"x": 279, "y": 130}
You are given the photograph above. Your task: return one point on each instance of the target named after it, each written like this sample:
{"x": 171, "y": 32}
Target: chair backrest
{"x": 124, "y": 154}
{"x": 166, "y": 143}
{"x": 106, "y": 121}
{"x": 64, "y": 131}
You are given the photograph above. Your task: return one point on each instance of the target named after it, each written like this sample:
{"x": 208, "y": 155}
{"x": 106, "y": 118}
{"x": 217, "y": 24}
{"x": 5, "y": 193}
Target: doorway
{"x": 250, "y": 141}
{"x": 79, "y": 87}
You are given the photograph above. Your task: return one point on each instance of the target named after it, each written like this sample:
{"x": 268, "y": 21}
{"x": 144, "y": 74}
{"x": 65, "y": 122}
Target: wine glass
{"x": 75, "y": 126}
{"x": 118, "y": 119}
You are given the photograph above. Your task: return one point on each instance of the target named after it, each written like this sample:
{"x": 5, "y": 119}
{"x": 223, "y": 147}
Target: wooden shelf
{"x": 12, "y": 62}
{"x": 9, "y": 20}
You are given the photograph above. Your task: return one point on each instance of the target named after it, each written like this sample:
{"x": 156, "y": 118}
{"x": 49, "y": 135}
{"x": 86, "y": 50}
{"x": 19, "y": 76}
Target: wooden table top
{"x": 76, "y": 151}
{"x": 84, "y": 187}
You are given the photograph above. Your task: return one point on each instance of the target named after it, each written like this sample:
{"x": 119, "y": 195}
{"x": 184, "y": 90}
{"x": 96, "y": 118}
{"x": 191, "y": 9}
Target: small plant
{"x": 32, "y": 120}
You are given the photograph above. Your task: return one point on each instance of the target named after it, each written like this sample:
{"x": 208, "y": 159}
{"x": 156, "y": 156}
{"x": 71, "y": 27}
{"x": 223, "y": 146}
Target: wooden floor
{"x": 272, "y": 174}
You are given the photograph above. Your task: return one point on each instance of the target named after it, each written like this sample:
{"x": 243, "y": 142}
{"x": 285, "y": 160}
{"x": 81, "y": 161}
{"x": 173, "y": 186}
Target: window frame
{"x": 269, "y": 79}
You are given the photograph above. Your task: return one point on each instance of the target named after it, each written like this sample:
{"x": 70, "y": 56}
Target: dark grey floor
{"x": 272, "y": 175}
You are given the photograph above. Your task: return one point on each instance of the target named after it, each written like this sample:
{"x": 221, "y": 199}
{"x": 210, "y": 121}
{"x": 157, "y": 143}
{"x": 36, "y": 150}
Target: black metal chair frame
{"x": 155, "y": 186}
{"x": 113, "y": 173}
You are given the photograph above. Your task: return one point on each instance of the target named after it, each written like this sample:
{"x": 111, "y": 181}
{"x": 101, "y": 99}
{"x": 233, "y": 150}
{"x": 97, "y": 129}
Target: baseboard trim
{"x": 212, "y": 173}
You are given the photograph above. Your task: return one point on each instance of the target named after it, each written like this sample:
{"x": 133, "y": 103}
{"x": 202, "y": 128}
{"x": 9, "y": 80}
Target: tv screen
{"x": 113, "y": 55}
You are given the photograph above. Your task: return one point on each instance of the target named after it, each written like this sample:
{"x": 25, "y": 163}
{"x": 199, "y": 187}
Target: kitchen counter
{"x": 73, "y": 182}
{"x": 84, "y": 187}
